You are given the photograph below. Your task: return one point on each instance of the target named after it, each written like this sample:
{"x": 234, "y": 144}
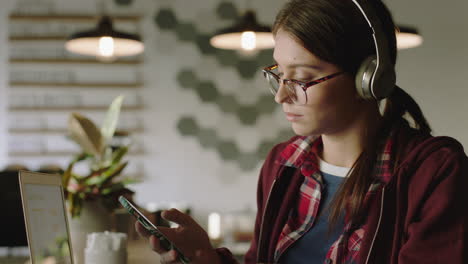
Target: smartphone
{"x": 165, "y": 243}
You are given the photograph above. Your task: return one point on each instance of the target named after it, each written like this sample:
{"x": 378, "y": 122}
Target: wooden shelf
{"x": 53, "y": 36}
{"x": 38, "y": 38}
{"x": 60, "y": 154}
{"x": 81, "y": 85}
{"x": 71, "y": 109}
{"x": 62, "y": 131}
{"x": 72, "y": 17}
{"x": 77, "y": 61}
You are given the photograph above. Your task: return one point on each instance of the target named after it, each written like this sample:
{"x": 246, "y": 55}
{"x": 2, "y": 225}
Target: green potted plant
{"x": 105, "y": 162}
{"x": 92, "y": 197}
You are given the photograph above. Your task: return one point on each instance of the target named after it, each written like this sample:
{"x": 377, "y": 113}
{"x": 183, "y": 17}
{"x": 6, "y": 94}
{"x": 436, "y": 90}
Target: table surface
{"x": 139, "y": 252}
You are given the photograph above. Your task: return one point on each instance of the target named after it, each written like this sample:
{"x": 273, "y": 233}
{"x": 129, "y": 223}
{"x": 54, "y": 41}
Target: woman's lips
{"x": 292, "y": 117}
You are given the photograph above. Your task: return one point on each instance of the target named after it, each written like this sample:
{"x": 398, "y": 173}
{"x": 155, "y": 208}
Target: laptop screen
{"x": 46, "y": 219}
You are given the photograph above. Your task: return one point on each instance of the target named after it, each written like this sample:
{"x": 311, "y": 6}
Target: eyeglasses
{"x": 296, "y": 89}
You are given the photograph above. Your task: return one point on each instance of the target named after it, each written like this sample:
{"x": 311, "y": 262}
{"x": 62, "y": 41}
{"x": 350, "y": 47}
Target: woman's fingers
{"x": 141, "y": 230}
{"x": 176, "y": 216}
{"x": 156, "y": 245}
{"x": 189, "y": 237}
{"x": 169, "y": 257}
{"x": 153, "y": 240}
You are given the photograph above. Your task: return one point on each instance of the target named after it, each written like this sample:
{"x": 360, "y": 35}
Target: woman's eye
{"x": 306, "y": 79}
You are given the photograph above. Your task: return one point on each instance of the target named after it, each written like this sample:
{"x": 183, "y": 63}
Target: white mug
{"x": 106, "y": 248}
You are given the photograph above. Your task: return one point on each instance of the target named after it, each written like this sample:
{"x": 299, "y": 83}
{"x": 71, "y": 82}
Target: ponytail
{"x": 350, "y": 196}
{"x": 401, "y": 104}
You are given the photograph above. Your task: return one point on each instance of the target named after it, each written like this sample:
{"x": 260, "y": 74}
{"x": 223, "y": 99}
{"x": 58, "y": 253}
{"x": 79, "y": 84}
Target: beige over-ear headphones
{"x": 376, "y": 77}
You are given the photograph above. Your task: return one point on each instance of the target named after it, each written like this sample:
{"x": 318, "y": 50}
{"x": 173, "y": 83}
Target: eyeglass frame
{"x": 303, "y": 85}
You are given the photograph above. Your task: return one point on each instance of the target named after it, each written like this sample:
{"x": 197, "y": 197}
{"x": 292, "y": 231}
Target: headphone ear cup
{"x": 384, "y": 82}
{"x": 364, "y": 77}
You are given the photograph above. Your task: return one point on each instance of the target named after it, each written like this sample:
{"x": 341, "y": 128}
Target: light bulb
{"x": 106, "y": 46}
{"x": 214, "y": 226}
{"x": 248, "y": 40}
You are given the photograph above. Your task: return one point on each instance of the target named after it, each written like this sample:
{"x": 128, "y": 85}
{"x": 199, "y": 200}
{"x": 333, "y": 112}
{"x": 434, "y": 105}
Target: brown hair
{"x": 336, "y": 32}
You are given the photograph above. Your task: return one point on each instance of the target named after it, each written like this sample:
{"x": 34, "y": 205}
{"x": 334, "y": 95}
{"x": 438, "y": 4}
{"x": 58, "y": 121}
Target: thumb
{"x": 177, "y": 217}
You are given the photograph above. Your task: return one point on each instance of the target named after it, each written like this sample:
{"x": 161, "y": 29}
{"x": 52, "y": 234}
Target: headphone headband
{"x": 377, "y": 76}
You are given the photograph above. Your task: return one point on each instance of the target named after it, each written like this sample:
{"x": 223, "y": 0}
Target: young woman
{"x": 357, "y": 184}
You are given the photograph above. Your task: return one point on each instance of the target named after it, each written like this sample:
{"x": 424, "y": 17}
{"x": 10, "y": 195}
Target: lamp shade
{"x": 245, "y": 34}
{"x": 104, "y": 42}
{"x": 408, "y": 37}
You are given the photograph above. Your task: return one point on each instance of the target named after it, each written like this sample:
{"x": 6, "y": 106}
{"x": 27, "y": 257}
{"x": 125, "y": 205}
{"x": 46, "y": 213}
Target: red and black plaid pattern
{"x": 302, "y": 154}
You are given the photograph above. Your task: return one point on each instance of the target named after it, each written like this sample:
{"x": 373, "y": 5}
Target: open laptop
{"x": 45, "y": 217}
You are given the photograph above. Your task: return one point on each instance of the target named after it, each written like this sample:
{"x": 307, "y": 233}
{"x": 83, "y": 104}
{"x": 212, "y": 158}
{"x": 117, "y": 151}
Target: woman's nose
{"x": 282, "y": 95}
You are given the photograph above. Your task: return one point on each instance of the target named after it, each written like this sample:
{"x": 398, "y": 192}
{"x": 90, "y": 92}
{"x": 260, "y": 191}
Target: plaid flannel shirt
{"x": 302, "y": 154}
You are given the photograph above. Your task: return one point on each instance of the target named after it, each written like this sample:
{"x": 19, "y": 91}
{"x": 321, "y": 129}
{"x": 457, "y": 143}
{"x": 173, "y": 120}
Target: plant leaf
{"x": 106, "y": 157}
{"x": 107, "y": 175}
{"x": 85, "y": 133}
{"x": 128, "y": 181}
{"x": 118, "y": 154}
{"x": 95, "y": 173}
{"x": 113, "y": 188}
{"x": 67, "y": 174}
{"x": 112, "y": 117}
{"x": 113, "y": 172}
{"x": 75, "y": 203}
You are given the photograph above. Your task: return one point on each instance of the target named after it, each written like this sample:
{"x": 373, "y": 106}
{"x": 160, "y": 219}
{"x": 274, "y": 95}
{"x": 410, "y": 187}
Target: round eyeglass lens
{"x": 296, "y": 93}
{"x": 273, "y": 82}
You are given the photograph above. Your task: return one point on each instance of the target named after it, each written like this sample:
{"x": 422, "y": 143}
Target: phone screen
{"x": 165, "y": 243}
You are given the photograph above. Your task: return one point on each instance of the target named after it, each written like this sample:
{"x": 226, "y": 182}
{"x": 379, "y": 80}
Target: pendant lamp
{"x": 104, "y": 42}
{"x": 245, "y": 35}
{"x": 408, "y": 37}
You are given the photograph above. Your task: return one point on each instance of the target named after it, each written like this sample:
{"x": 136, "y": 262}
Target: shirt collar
{"x": 298, "y": 151}
{"x": 302, "y": 154}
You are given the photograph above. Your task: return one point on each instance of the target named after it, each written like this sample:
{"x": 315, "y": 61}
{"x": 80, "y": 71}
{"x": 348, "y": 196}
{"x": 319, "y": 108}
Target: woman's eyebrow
{"x": 305, "y": 65}
{"x": 297, "y": 65}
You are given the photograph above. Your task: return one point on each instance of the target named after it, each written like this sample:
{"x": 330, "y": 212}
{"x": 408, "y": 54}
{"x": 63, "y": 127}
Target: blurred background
{"x": 200, "y": 119}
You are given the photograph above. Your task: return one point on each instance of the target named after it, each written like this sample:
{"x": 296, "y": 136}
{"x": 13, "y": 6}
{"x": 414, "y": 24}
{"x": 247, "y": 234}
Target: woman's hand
{"x": 189, "y": 237}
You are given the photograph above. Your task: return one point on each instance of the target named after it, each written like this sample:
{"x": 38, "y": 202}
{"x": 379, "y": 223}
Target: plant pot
{"x": 94, "y": 217}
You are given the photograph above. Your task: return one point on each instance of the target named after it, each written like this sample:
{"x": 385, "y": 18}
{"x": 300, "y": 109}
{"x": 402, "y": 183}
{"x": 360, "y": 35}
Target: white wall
{"x": 435, "y": 74}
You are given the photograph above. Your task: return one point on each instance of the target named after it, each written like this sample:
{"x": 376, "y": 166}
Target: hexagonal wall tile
{"x": 208, "y": 138}
{"x": 166, "y": 19}
{"x": 203, "y": 44}
{"x": 227, "y": 57}
{"x": 227, "y": 10}
{"x": 186, "y": 31}
{"x": 247, "y": 68}
{"x": 207, "y": 91}
{"x": 264, "y": 148}
{"x": 247, "y": 114}
{"x": 265, "y": 57}
{"x": 227, "y": 103}
{"x": 228, "y": 150}
{"x": 266, "y": 104}
{"x": 186, "y": 78}
{"x": 187, "y": 126}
